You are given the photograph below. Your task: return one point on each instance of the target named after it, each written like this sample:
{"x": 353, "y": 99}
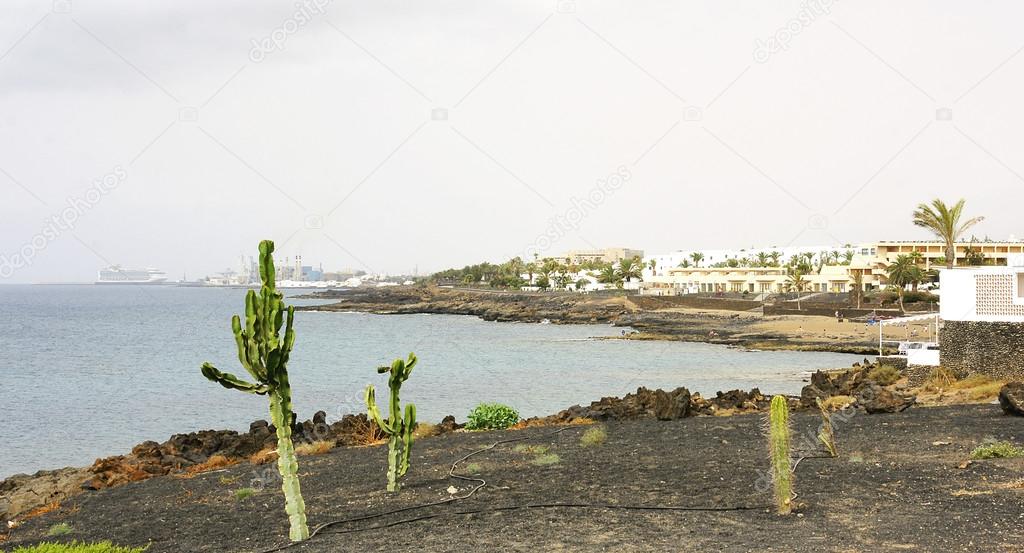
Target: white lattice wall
{"x": 994, "y": 295}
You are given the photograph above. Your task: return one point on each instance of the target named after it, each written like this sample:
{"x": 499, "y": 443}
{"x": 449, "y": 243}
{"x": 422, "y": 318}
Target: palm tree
{"x": 776, "y": 256}
{"x": 762, "y": 259}
{"x": 858, "y": 286}
{"x": 630, "y": 268}
{"x": 697, "y": 257}
{"x": 653, "y": 264}
{"x": 608, "y": 275}
{"x": 902, "y": 272}
{"x": 685, "y": 264}
{"x": 944, "y": 222}
{"x": 795, "y": 281}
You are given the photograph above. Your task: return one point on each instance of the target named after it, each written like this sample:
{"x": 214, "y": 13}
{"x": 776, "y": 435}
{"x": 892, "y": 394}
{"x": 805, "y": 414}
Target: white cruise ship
{"x": 116, "y": 274}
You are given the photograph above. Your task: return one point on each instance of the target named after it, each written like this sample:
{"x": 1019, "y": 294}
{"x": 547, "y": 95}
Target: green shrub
{"x": 593, "y": 436}
{"x": 61, "y": 529}
{"x": 997, "y": 450}
{"x": 244, "y": 493}
{"x": 491, "y": 416}
{"x": 75, "y": 547}
{"x": 884, "y": 374}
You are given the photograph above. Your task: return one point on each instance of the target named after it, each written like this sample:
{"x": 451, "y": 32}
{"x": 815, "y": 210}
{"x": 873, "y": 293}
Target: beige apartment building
{"x": 607, "y": 255}
{"x": 870, "y": 260}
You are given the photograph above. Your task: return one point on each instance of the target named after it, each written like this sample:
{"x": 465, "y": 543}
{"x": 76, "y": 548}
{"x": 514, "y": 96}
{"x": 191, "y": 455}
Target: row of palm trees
{"x": 544, "y": 273}
{"x": 774, "y": 259}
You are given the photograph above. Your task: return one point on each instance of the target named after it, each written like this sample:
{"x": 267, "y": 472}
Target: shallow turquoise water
{"x": 91, "y": 371}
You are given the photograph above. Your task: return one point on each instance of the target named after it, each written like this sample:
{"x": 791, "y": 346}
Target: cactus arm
{"x": 407, "y": 437}
{"x": 374, "y": 413}
{"x": 409, "y": 364}
{"x": 254, "y": 353}
{"x": 231, "y": 381}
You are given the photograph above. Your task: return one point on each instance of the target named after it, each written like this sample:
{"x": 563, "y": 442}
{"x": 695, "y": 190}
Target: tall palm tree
{"x": 776, "y": 256}
{"x": 795, "y": 281}
{"x": 944, "y": 222}
{"x": 697, "y": 257}
{"x": 858, "y": 286}
{"x": 653, "y": 264}
{"x": 762, "y": 259}
{"x": 902, "y": 272}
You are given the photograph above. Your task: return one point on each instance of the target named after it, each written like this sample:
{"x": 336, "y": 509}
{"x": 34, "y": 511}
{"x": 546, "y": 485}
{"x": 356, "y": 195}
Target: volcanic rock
{"x": 1011, "y": 398}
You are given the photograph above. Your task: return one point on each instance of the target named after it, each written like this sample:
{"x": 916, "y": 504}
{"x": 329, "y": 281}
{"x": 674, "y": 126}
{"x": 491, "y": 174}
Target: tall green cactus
{"x": 779, "y": 438}
{"x": 398, "y": 430}
{"x": 265, "y": 355}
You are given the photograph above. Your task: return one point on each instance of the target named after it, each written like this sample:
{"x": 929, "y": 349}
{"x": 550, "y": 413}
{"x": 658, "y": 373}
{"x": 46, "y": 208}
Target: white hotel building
{"x": 870, "y": 260}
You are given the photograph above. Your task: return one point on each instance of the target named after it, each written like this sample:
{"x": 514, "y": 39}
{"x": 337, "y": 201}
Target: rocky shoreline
{"x": 187, "y": 454}
{"x": 738, "y": 329}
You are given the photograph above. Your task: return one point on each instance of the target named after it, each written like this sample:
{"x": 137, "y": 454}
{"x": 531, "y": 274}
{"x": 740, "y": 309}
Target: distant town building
{"x": 607, "y": 255}
{"x": 680, "y": 273}
{"x": 982, "y": 310}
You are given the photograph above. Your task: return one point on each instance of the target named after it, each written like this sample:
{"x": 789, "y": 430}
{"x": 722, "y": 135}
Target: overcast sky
{"x": 386, "y": 136}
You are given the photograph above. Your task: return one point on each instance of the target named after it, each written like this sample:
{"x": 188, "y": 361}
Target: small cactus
{"x": 825, "y": 433}
{"x": 398, "y": 429}
{"x": 264, "y": 354}
{"x": 779, "y": 438}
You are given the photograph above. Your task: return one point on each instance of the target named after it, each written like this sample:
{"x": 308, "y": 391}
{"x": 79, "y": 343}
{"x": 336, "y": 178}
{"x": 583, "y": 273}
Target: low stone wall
{"x": 993, "y": 349}
{"x": 896, "y": 361}
{"x": 848, "y": 312}
{"x": 694, "y": 301}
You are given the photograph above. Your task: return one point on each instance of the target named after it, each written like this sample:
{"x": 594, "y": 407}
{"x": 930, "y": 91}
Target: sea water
{"x": 90, "y": 371}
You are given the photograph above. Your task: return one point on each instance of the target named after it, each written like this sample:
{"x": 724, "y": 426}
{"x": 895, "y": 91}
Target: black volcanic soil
{"x": 895, "y": 486}
{"x": 690, "y": 325}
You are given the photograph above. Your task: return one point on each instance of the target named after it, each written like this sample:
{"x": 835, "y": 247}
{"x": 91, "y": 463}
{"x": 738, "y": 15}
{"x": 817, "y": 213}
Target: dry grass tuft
{"x": 314, "y": 448}
{"x": 593, "y": 437}
{"x": 970, "y": 493}
{"x": 836, "y": 403}
{"x": 531, "y": 449}
{"x": 264, "y": 457}
{"x": 884, "y": 375}
{"x": 425, "y": 430}
{"x": 213, "y": 463}
{"x": 532, "y": 423}
{"x": 367, "y": 433}
{"x": 943, "y": 388}
{"x": 546, "y": 459}
{"x": 979, "y": 387}
{"x": 940, "y": 378}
